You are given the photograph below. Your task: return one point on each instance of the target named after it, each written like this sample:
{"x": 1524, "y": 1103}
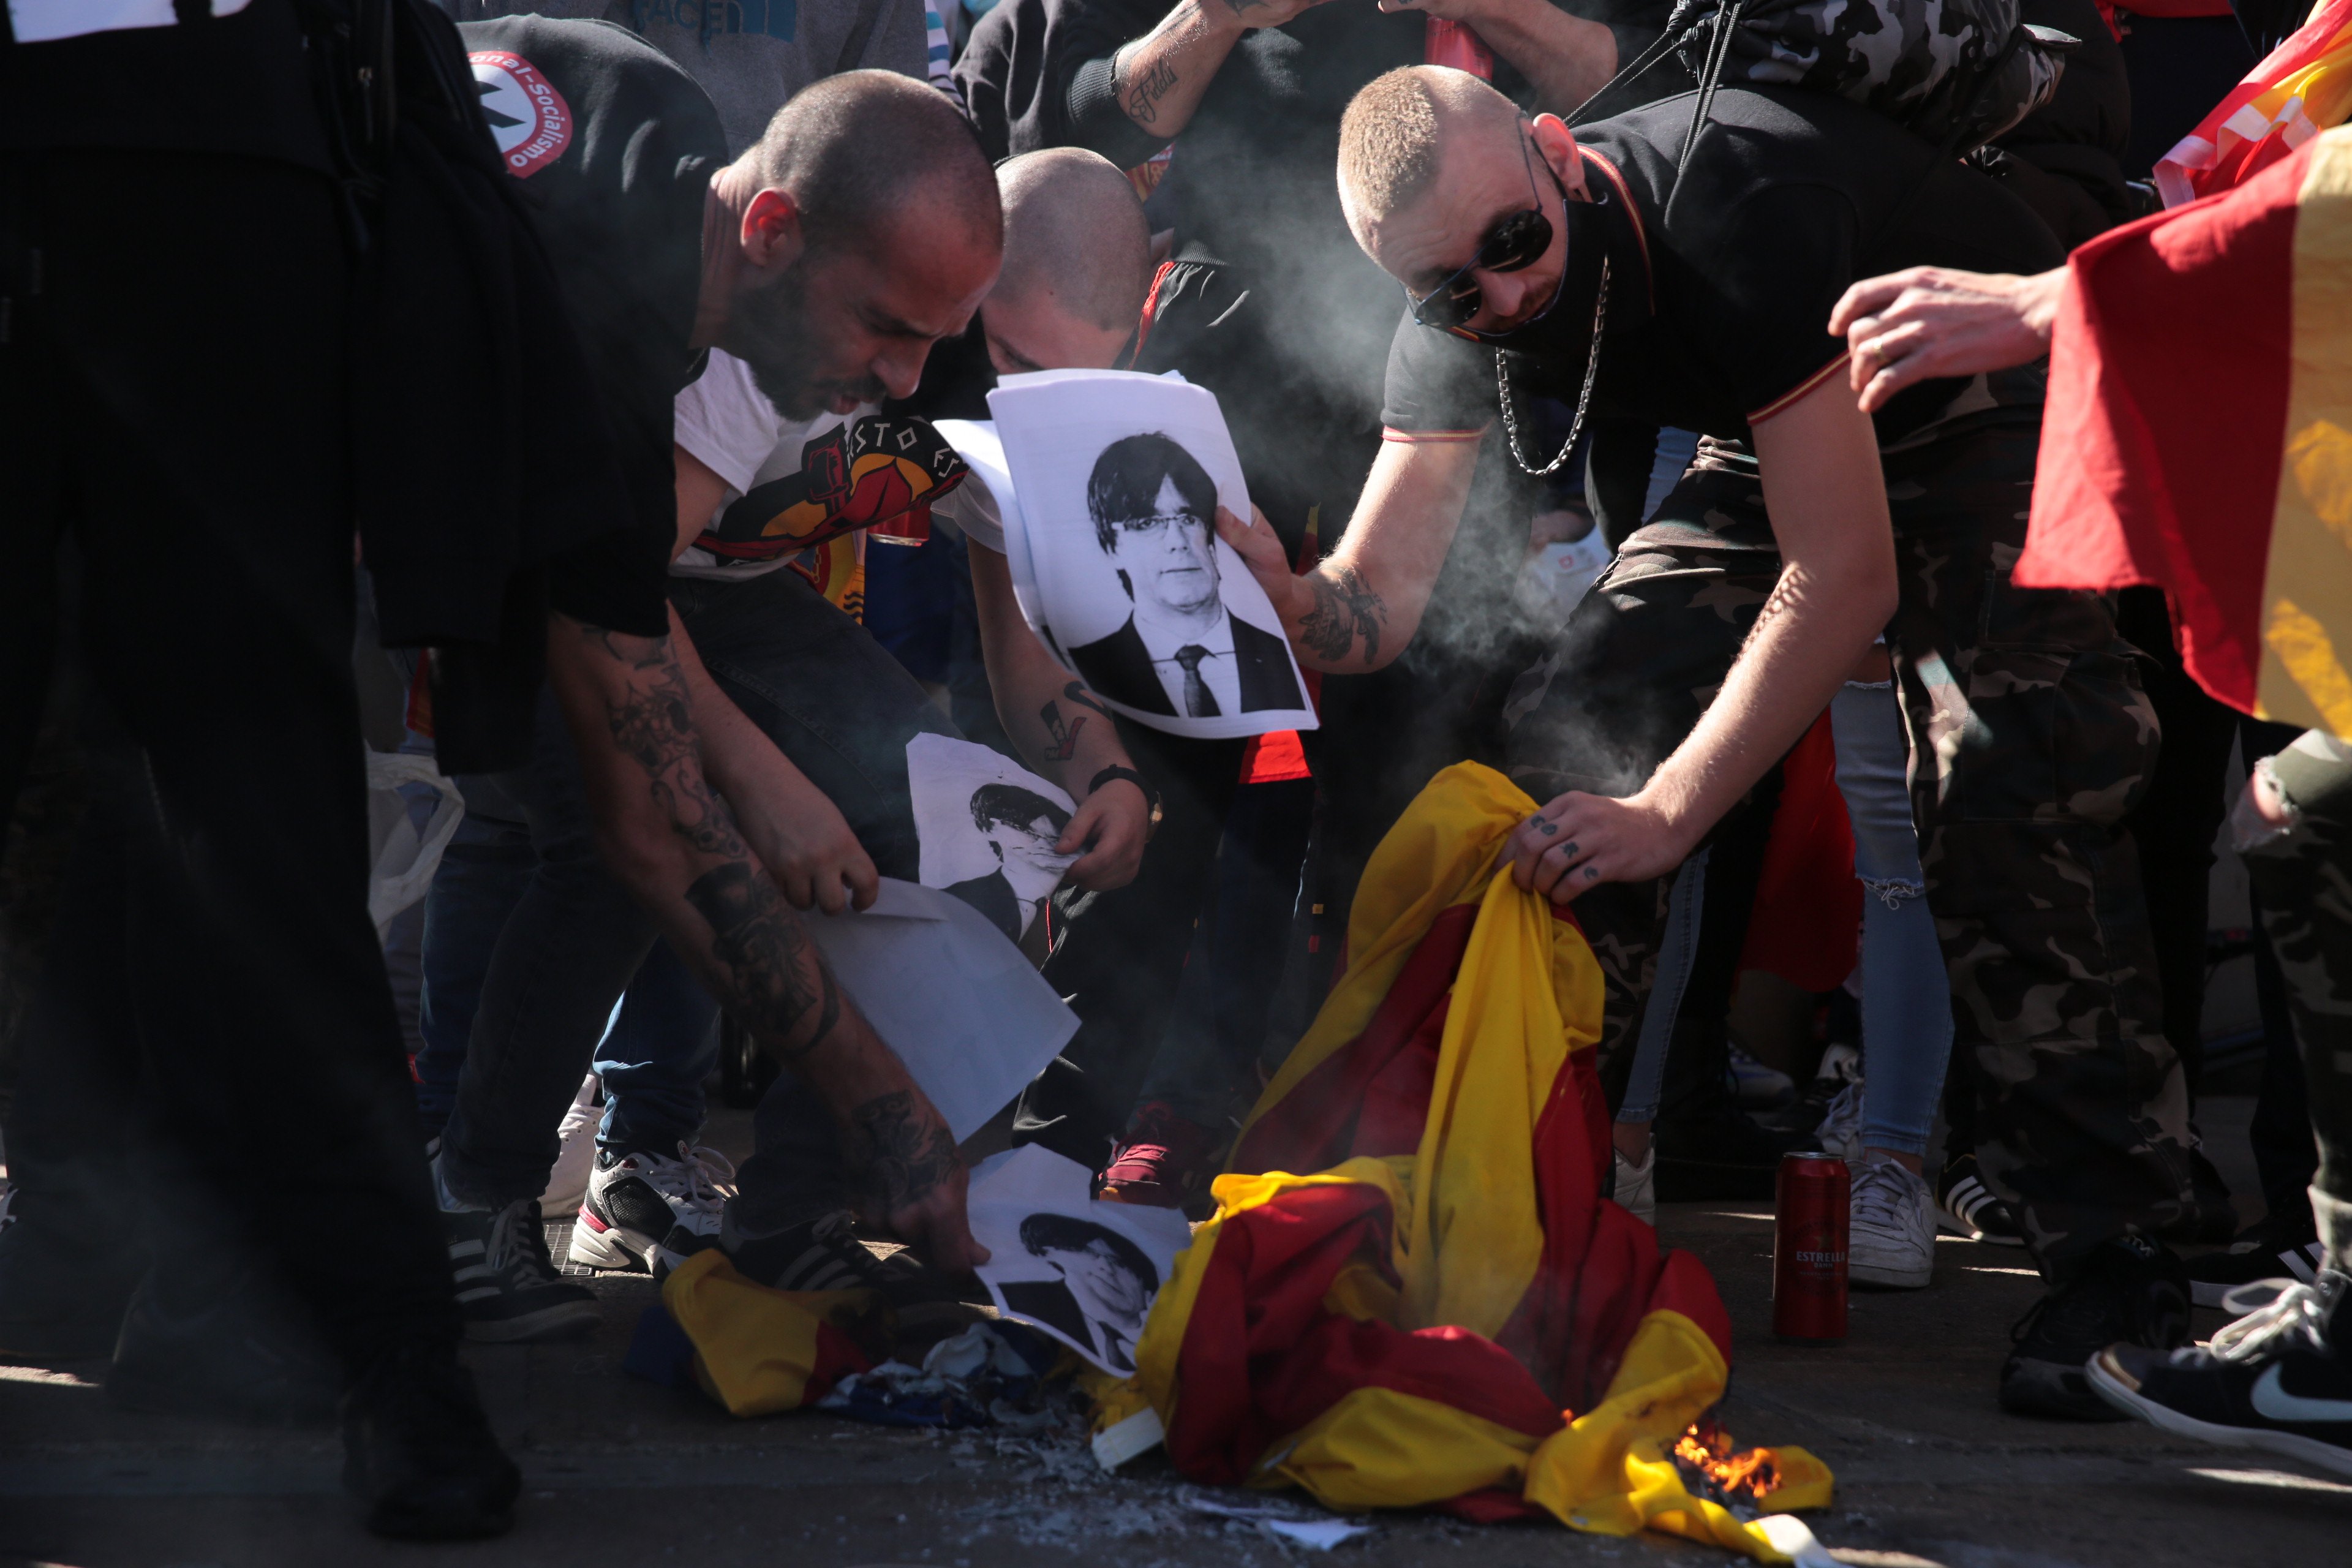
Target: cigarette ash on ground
{"x": 1062, "y": 1498}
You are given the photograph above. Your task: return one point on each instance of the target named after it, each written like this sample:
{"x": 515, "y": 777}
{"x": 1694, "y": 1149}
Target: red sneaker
{"x": 1163, "y": 1161}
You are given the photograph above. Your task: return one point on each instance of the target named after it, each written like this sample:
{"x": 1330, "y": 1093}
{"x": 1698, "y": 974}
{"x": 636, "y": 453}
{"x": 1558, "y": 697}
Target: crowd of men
{"x": 569, "y": 320}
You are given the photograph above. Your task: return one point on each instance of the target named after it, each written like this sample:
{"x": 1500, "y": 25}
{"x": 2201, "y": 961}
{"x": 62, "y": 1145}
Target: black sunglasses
{"x": 1517, "y": 240}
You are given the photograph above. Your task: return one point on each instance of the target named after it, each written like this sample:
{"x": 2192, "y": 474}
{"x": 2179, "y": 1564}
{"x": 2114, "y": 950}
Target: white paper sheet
{"x": 972, "y": 1018}
{"x": 1318, "y": 1534}
{"x": 987, "y": 827}
{"x": 975, "y": 442}
{"x": 1085, "y": 1272}
{"x": 1163, "y": 622}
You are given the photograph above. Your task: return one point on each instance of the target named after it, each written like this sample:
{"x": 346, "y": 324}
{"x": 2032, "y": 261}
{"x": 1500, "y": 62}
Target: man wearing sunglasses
{"x": 1681, "y": 270}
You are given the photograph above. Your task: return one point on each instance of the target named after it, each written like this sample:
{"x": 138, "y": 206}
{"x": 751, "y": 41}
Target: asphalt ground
{"x": 1930, "y": 1471}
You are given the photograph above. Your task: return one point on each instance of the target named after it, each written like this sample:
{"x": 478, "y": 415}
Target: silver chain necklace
{"x": 1583, "y": 398}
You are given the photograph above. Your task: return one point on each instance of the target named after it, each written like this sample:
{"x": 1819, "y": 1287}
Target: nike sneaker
{"x": 2275, "y": 1379}
{"x": 2128, "y": 1290}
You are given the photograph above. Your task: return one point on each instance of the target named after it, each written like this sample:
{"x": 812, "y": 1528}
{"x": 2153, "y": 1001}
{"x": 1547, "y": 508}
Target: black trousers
{"x": 173, "y": 397}
{"x": 1124, "y": 953}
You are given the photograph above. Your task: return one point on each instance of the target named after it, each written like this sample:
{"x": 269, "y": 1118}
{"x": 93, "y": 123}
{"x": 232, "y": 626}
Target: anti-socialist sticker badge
{"x": 526, "y": 114}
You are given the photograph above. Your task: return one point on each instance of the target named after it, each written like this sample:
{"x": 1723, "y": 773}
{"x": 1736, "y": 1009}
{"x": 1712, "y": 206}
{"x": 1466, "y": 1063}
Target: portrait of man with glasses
{"x": 1180, "y": 652}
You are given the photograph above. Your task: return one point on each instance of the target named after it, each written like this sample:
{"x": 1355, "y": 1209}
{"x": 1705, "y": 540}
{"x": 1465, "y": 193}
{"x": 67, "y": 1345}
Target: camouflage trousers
{"x": 2030, "y": 739}
{"x": 2303, "y": 880}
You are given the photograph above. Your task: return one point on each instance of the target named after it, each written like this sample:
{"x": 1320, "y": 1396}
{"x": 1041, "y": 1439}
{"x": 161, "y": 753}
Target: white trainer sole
{"x": 596, "y": 1243}
{"x": 1918, "y": 1279}
{"x": 2291, "y": 1445}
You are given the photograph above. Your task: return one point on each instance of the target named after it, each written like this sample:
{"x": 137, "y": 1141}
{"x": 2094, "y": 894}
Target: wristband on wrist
{"x": 1150, "y": 795}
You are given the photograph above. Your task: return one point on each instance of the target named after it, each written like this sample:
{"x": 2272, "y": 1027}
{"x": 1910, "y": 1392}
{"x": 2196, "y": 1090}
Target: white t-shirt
{"x": 973, "y": 508}
{"x": 795, "y": 485}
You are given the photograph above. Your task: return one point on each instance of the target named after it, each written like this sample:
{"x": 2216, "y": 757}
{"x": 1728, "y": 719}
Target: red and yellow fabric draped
{"x": 758, "y": 1351}
{"x": 2300, "y": 89}
{"x": 1447, "y": 1311}
{"x": 2199, "y": 433}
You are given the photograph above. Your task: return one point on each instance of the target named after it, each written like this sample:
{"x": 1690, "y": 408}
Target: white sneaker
{"x": 1840, "y": 1133}
{"x": 575, "y": 1156}
{"x": 1637, "y": 1186}
{"x": 1891, "y": 1239}
{"x": 650, "y": 1212}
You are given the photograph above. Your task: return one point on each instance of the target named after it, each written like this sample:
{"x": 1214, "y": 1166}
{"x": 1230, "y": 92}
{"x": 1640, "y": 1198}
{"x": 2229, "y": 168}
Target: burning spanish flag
{"x": 2199, "y": 433}
{"x": 1447, "y": 1312}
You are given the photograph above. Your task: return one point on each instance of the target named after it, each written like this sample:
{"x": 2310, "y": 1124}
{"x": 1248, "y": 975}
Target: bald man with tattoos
{"x": 826, "y": 259}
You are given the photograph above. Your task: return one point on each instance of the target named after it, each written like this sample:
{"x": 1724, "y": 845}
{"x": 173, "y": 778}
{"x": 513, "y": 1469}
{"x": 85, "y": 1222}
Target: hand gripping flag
{"x": 1446, "y": 1312}
{"x": 2300, "y": 89}
{"x": 2199, "y": 433}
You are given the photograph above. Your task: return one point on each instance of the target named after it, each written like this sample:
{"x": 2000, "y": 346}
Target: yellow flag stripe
{"x": 2307, "y": 574}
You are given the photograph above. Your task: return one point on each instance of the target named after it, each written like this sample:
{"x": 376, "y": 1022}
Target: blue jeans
{"x": 1907, "y": 997}
{"x": 655, "y": 1057}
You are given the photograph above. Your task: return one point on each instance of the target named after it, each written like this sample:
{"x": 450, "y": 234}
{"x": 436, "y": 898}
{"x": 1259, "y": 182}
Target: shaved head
{"x": 1431, "y": 162}
{"x": 857, "y": 149}
{"x": 1077, "y": 264}
{"x": 1073, "y": 231}
{"x": 866, "y": 228}
{"x": 1391, "y": 136}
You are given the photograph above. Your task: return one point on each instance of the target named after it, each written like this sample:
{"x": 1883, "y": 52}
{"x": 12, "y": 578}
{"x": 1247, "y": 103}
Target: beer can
{"x": 1458, "y": 46}
{"x": 1809, "y": 1249}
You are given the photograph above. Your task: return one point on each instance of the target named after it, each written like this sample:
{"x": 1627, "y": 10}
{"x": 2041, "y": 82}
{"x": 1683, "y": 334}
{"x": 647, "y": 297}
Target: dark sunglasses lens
{"x": 1451, "y": 308}
{"x": 1517, "y": 242}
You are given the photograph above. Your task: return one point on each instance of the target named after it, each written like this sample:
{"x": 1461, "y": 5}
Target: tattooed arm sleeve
{"x": 670, "y": 836}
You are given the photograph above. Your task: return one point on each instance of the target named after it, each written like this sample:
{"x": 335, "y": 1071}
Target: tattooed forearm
{"x": 1064, "y": 736}
{"x": 1077, "y": 693}
{"x": 1141, "y": 94}
{"x": 906, "y": 1155}
{"x": 1344, "y": 609}
{"x": 774, "y": 980}
{"x": 651, "y": 722}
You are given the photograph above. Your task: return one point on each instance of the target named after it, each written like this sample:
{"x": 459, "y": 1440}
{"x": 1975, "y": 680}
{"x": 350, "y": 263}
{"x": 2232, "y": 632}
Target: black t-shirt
{"x": 1251, "y": 181}
{"x": 1786, "y": 202}
{"x": 614, "y": 146}
{"x": 237, "y": 84}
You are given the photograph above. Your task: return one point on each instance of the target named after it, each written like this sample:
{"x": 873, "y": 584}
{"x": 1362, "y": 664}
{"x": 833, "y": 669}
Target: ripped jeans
{"x": 1906, "y": 998}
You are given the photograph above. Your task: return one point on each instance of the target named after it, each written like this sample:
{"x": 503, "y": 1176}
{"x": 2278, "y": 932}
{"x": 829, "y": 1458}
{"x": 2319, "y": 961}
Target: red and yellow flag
{"x": 2300, "y": 89}
{"x": 2199, "y": 433}
{"x": 1447, "y": 1312}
